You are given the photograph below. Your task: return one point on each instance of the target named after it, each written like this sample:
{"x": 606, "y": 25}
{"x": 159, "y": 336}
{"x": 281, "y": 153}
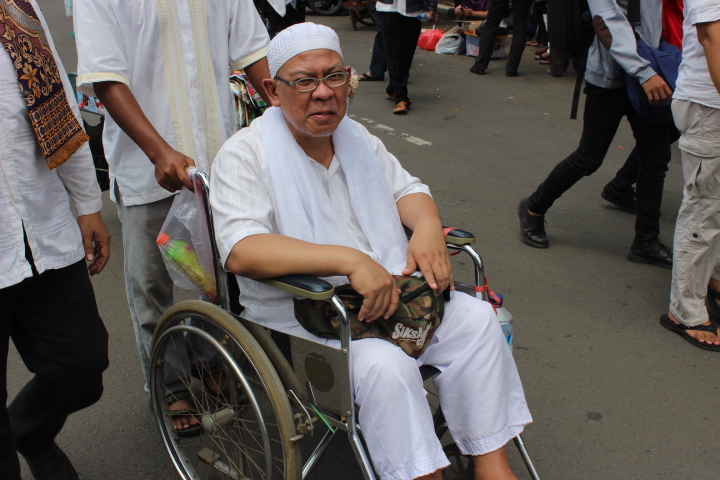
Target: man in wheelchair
{"x": 306, "y": 190}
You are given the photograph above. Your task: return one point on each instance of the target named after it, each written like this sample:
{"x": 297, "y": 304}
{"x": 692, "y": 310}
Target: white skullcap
{"x": 298, "y": 39}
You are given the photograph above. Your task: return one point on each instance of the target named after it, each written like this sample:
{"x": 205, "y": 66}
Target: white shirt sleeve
{"x": 239, "y": 198}
{"x": 703, "y": 12}
{"x": 248, "y": 36}
{"x": 100, "y": 46}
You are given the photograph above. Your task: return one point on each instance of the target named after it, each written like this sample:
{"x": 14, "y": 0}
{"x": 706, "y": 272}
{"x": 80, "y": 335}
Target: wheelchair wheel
{"x": 245, "y": 416}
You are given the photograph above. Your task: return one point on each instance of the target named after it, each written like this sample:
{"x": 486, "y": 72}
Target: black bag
{"x": 570, "y": 28}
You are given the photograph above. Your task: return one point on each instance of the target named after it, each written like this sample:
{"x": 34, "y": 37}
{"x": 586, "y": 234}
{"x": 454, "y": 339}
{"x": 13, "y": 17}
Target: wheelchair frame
{"x": 328, "y": 386}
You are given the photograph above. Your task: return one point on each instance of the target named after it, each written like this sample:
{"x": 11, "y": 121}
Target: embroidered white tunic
{"x": 176, "y": 56}
{"x": 33, "y": 196}
{"x": 241, "y": 196}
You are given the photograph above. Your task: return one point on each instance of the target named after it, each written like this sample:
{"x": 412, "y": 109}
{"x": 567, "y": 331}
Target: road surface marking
{"x": 391, "y": 131}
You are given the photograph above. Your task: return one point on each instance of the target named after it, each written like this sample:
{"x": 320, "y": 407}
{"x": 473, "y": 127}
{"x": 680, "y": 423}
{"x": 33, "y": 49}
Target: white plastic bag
{"x": 450, "y": 44}
{"x": 184, "y": 241}
{"x": 69, "y": 8}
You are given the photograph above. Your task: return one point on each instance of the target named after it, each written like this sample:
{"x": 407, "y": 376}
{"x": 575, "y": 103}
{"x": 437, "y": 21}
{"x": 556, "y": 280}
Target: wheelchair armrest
{"x": 460, "y": 237}
{"x": 304, "y": 285}
{"x": 455, "y": 236}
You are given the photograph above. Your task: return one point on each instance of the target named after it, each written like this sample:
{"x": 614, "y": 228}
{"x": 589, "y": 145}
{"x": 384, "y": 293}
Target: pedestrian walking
{"x": 48, "y": 303}
{"x": 164, "y": 83}
{"x": 401, "y": 30}
{"x": 606, "y": 103}
{"x": 695, "y": 290}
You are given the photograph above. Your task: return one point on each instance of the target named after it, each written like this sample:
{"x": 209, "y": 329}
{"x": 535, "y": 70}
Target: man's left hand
{"x": 432, "y": 15}
{"x": 96, "y": 240}
{"x": 427, "y": 251}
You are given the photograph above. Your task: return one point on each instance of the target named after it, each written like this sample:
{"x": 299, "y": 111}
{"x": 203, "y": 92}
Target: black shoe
{"x": 477, "y": 70}
{"x": 654, "y": 254}
{"x": 52, "y": 465}
{"x": 623, "y": 199}
{"x": 532, "y": 227}
{"x": 512, "y": 74}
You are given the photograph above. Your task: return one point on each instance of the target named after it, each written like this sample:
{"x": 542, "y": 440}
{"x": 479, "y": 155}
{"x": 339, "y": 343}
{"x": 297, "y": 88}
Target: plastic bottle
{"x": 185, "y": 260}
{"x": 424, "y": 17}
{"x": 506, "y": 322}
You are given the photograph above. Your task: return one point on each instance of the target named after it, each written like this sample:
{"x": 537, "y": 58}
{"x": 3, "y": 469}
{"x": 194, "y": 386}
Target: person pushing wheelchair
{"x": 307, "y": 190}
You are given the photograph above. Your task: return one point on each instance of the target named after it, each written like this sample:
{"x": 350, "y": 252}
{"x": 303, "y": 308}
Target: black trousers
{"x": 276, "y": 24}
{"x": 53, "y": 321}
{"x": 604, "y": 109}
{"x": 498, "y": 9}
{"x": 628, "y": 173}
{"x": 378, "y": 65}
{"x": 400, "y": 36}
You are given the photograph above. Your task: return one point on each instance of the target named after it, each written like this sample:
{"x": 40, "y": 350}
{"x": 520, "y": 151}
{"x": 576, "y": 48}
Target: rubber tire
{"x": 274, "y": 388}
{"x": 313, "y": 4}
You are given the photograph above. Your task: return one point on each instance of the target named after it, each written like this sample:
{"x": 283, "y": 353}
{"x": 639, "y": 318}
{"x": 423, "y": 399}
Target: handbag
{"x": 665, "y": 60}
{"x": 411, "y": 327}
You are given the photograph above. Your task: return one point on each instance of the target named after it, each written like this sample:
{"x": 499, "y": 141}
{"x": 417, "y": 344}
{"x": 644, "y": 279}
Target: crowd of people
{"x": 316, "y": 189}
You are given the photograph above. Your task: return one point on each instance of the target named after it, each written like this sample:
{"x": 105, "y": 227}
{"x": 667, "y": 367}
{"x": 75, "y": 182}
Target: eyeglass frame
{"x": 344, "y": 73}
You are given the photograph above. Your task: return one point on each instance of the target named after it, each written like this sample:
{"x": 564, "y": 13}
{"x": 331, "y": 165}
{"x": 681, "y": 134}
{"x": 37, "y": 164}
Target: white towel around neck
{"x": 302, "y": 206}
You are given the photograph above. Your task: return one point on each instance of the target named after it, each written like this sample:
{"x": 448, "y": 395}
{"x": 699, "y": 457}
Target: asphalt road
{"x": 613, "y": 394}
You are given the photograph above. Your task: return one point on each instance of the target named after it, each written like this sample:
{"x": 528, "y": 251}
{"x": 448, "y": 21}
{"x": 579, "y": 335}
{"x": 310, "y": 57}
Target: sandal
{"x": 369, "y": 77}
{"x": 538, "y": 53}
{"x": 401, "y": 108}
{"x": 192, "y": 430}
{"x": 681, "y": 330}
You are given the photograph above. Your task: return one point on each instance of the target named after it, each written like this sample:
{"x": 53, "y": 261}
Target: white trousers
{"x": 696, "y": 251}
{"x": 479, "y": 389}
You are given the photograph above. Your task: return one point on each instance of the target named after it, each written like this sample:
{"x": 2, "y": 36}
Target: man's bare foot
{"x": 699, "y": 335}
{"x": 182, "y": 421}
{"x": 493, "y": 466}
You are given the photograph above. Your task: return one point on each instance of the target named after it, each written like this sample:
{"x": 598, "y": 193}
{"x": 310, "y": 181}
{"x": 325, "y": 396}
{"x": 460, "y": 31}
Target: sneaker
{"x": 477, "y": 70}
{"x": 623, "y": 199}
{"x": 651, "y": 254}
{"x": 532, "y": 227}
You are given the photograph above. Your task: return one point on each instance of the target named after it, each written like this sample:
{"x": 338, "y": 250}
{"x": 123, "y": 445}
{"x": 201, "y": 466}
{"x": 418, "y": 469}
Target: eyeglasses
{"x": 333, "y": 80}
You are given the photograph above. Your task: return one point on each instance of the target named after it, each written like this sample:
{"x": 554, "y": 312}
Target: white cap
{"x": 298, "y": 39}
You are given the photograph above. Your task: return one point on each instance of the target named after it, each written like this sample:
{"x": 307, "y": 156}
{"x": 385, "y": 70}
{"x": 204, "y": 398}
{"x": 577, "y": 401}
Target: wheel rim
{"x": 239, "y": 437}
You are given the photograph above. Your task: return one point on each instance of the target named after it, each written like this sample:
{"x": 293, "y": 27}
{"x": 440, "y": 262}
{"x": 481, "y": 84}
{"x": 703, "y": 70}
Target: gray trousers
{"x": 150, "y": 293}
{"x": 696, "y": 253}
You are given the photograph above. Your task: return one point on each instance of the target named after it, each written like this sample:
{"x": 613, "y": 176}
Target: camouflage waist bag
{"x": 411, "y": 326}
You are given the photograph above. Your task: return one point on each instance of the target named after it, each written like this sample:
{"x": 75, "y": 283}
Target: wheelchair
{"x": 261, "y": 395}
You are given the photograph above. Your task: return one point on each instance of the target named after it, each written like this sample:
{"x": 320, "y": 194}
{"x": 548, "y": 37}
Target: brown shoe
{"x": 401, "y": 108}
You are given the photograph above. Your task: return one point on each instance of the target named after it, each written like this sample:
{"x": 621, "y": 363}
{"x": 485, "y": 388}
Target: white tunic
{"x": 33, "y": 196}
{"x": 176, "y": 56}
{"x": 241, "y": 196}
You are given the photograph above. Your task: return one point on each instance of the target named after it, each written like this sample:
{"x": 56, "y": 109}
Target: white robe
{"x": 479, "y": 386}
{"x": 176, "y": 57}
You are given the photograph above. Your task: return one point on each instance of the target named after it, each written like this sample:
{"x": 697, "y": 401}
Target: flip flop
{"x": 681, "y": 330}
{"x": 369, "y": 77}
{"x": 192, "y": 430}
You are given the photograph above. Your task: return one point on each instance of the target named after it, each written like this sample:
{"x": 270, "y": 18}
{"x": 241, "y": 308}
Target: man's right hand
{"x": 171, "y": 170}
{"x": 372, "y": 281}
{"x": 658, "y": 91}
